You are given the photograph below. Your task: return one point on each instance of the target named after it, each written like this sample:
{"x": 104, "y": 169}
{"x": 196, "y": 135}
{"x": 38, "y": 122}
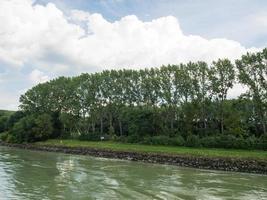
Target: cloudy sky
{"x": 42, "y": 39}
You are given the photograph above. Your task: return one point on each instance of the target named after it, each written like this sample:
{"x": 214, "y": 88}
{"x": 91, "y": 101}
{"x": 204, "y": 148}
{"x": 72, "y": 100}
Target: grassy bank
{"x": 203, "y": 152}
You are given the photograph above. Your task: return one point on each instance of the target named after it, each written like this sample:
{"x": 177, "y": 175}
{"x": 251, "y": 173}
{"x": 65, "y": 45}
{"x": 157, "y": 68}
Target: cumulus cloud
{"x": 79, "y": 15}
{"x": 55, "y": 43}
{"x": 44, "y": 35}
{"x": 36, "y": 76}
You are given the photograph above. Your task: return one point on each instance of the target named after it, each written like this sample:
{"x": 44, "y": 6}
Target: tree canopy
{"x": 187, "y": 101}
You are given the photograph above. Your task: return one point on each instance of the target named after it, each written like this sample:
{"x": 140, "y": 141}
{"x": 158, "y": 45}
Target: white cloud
{"x": 43, "y": 34}
{"x": 56, "y": 44}
{"x": 79, "y": 15}
{"x": 37, "y": 76}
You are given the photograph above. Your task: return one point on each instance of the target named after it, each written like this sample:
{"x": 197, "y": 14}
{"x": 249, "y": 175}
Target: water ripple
{"x": 41, "y": 175}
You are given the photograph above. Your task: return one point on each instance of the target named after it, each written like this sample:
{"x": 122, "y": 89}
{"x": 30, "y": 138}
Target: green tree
{"x": 222, "y": 76}
{"x": 199, "y": 73}
{"x": 252, "y": 72}
{"x": 31, "y": 128}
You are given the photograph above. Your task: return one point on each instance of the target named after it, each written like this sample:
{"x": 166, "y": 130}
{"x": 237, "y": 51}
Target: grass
{"x": 185, "y": 151}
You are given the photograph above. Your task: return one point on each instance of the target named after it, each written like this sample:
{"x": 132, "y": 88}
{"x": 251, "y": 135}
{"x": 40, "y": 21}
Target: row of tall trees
{"x": 185, "y": 99}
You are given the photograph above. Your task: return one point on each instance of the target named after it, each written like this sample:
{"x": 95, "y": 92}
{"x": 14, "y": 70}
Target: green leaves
{"x": 185, "y": 98}
{"x": 31, "y": 128}
{"x": 252, "y": 72}
{"x": 222, "y": 76}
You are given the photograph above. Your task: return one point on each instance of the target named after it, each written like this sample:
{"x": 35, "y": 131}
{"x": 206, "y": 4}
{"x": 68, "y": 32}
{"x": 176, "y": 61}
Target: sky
{"x": 44, "y": 39}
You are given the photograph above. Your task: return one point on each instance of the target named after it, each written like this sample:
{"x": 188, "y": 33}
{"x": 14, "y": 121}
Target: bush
{"x": 262, "y": 142}
{"x": 121, "y": 139}
{"x": 156, "y": 140}
{"x": 164, "y": 140}
{"x": 160, "y": 140}
{"x": 43, "y": 127}
{"x": 210, "y": 141}
{"x": 15, "y": 117}
{"x": 4, "y": 136}
{"x": 177, "y": 141}
{"x": 134, "y": 139}
{"x": 251, "y": 142}
{"x": 230, "y": 141}
{"x": 3, "y": 122}
{"x": 192, "y": 141}
{"x": 21, "y": 131}
{"x": 31, "y": 128}
{"x": 94, "y": 137}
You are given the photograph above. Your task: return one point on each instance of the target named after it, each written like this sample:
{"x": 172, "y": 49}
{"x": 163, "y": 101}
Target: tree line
{"x": 183, "y": 104}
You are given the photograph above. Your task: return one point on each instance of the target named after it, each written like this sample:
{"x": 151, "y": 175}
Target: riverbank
{"x": 215, "y": 159}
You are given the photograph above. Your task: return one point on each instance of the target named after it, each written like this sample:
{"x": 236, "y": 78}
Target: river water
{"x": 40, "y": 175}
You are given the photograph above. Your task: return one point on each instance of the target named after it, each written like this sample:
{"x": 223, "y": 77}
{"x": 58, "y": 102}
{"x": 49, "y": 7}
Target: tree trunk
{"x": 222, "y": 118}
{"x": 263, "y": 120}
{"x": 263, "y": 123}
{"x": 264, "y": 128}
{"x": 222, "y": 130}
{"x": 120, "y": 124}
{"x": 172, "y": 124}
{"x": 111, "y": 129}
{"x": 203, "y": 116}
{"x": 101, "y": 125}
{"x": 93, "y": 127}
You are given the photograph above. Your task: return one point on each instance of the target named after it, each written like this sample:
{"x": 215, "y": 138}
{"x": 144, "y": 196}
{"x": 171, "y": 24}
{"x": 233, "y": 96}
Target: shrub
{"x": 133, "y": 139}
{"x": 21, "y": 131}
{"x": 121, "y": 139}
{"x": 146, "y": 140}
{"x": 251, "y": 142}
{"x": 230, "y": 141}
{"x": 160, "y": 140}
{"x": 157, "y": 140}
{"x": 227, "y": 141}
{"x": 15, "y": 117}
{"x": 192, "y": 141}
{"x": 177, "y": 141}
{"x": 164, "y": 140}
{"x": 31, "y": 128}
{"x": 4, "y": 136}
{"x": 210, "y": 141}
{"x": 43, "y": 127}
{"x": 3, "y": 122}
{"x": 262, "y": 142}
{"x": 240, "y": 143}
{"x": 94, "y": 137}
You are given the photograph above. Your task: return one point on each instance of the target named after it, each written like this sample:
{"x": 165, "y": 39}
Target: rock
{"x": 250, "y": 166}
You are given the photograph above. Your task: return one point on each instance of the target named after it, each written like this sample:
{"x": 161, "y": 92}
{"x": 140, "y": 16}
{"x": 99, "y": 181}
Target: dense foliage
{"x": 4, "y": 118}
{"x": 182, "y": 104}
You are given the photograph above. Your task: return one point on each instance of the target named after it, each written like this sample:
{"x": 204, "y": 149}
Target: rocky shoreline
{"x": 225, "y": 164}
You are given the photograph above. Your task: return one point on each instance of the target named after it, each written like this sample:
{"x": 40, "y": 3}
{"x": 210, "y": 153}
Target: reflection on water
{"x": 41, "y": 175}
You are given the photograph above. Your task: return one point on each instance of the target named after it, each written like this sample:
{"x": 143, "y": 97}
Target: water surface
{"x": 40, "y": 175}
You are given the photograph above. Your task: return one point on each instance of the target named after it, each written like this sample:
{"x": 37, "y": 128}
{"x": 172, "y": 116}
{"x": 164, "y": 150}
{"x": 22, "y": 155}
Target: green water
{"x": 40, "y": 175}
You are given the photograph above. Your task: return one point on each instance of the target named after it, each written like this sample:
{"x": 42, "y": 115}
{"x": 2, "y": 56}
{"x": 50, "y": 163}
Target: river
{"x": 36, "y": 175}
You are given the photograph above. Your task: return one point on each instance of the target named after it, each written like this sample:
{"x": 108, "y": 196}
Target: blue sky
{"x": 208, "y": 18}
{"x": 44, "y": 39}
